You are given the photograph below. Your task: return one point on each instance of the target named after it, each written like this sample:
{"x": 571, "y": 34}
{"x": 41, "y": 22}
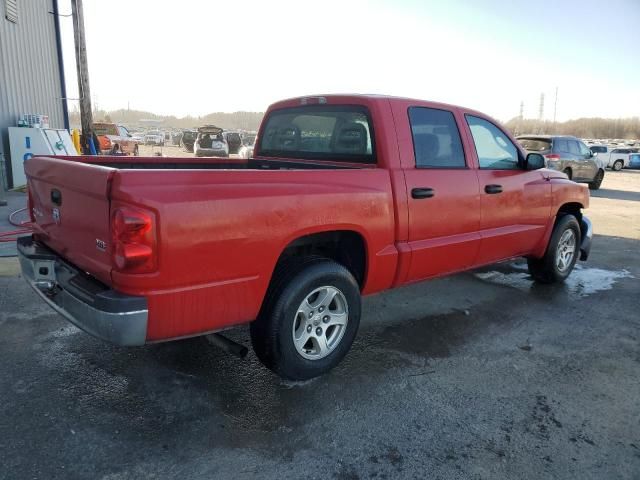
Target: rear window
{"x": 319, "y": 132}
{"x": 535, "y": 144}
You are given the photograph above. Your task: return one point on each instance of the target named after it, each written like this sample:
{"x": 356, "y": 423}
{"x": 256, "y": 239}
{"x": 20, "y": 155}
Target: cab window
{"x": 495, "y": 150}
{"x": 436, "y": 139}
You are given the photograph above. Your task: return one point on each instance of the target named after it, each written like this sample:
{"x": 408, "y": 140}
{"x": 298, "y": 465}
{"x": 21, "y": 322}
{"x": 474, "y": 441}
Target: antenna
{"x": 541, "y": 112}
{"x": 555, "y": 106}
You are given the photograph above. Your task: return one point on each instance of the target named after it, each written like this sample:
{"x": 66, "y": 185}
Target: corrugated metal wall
{"x": 29, "y": 73}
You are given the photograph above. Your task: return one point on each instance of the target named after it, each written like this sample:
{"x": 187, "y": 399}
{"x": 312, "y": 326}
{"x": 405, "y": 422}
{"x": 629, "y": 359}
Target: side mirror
{"x": 594, "y": 154}
{"x": 535, "y": 161}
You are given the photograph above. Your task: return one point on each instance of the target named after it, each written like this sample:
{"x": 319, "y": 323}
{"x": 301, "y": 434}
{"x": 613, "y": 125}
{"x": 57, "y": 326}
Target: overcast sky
{"x": 200, "y": 56}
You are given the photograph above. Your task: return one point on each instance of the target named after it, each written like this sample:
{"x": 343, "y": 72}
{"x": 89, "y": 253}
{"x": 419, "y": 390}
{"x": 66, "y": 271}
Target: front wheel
{"x": 597, "y": 181}
{"x": 309, "y": 320}
{"x": 561, "y": 255}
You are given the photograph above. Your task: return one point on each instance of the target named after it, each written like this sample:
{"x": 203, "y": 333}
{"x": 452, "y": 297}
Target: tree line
{"x": 132, "y": 118}
{"x": 606, "y": 128}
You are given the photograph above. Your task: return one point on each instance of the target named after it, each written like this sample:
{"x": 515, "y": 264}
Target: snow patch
{"x": 582, "y": 281}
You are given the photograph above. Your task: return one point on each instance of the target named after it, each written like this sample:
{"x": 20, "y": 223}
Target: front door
{"x": 515, "y": 203}
{"x": 442, "y": 188}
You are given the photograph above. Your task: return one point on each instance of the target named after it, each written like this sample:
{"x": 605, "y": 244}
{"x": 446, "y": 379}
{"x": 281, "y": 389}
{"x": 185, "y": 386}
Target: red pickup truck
{"x": 345, "y": 196}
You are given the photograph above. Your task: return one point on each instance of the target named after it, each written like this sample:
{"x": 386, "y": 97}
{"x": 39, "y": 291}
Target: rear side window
{"x": 436, "y": 139}
{"x": 598, "y": 149}
{"x": 561, "y": 145}
{"x": 535, "y": 144}
{"x": 574, "y": 148}
{"x": 495, "y": 150}
{"x": 319, "y": 132}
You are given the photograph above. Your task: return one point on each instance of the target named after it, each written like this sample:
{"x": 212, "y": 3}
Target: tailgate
{"x": 70, "y": 205}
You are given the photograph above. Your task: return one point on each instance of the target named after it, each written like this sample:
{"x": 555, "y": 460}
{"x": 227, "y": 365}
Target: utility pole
{"x": 86, "y": 115}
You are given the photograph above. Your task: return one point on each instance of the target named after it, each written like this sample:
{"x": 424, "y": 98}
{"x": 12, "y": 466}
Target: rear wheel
{"x": 568, "y": 173}
{"x": 561, "y": 255}
{"x": 136, "y": 151}
{"x": 617, "y": 165}
{"x": 309, "y": 320}
{"x": 597, "y": 181}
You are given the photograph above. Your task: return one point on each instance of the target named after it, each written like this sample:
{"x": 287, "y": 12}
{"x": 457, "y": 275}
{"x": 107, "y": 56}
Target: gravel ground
{"x": 479, "y": 375}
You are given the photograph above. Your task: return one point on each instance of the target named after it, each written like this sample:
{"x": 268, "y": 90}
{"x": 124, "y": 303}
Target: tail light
{"x": 133, "y": 240}
{"x": 552, "y": 157}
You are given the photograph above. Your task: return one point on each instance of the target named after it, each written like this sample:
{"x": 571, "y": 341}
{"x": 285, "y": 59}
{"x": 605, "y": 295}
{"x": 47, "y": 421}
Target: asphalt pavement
{"x": 482, "y": 375}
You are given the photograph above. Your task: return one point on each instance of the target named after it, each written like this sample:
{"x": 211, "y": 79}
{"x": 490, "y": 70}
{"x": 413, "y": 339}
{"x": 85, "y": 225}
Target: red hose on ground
{"x": 11, "y": 235}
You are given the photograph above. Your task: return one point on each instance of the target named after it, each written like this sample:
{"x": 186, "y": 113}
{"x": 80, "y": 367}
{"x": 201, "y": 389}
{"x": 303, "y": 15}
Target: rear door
{"x": 442, "y": 190}
{"x": 70, "y": 205}
{"x": 588, "y": 164}
{"x": 515, "y": 203}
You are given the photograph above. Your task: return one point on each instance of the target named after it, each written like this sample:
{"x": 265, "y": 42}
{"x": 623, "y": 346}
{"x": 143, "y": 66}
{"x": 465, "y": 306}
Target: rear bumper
{"x": 587, "y": 233}
{"x": 85, "y": 302}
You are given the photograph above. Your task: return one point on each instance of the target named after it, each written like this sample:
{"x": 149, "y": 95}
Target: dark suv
{"x": 567, "y": 154}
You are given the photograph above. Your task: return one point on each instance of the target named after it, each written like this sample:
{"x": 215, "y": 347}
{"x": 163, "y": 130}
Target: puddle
{"x": 582, "y": 281}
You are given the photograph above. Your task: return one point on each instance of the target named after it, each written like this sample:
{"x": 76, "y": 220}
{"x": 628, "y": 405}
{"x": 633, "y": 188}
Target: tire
{"x": 115, "y": 150}
{"x": 597, "y": 181}
{"x": 136, "y": 151}
{"x": 547, "y": 269}
{"x": 617, "y": 165}
{"x": 297, "y": 291}
{"x": 568, "y": 173}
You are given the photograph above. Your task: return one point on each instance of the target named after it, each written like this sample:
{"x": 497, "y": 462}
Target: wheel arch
{"x": 345, "y": 246}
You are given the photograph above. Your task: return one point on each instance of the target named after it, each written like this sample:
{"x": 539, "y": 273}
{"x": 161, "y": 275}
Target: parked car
{"x": 188, "y": 139}
{"x": 154, "y": 137}
{"x": 619, "y": 158}
{"x": 115, "y": 139}
{"x": 248, "y": 143}
{"x": 176, "y": 137}
{"x": 210, "y": 142}
{"x": 138, "y": 137}
{"x": 634, "y": 160}
{"x": 346, "y": 196}
{"x": 234, "y": 140}
{"x": 568, "y": 155}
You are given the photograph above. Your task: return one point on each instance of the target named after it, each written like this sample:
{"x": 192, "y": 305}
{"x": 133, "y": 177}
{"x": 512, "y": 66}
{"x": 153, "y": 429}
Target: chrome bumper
{"x": 85, "y": 302}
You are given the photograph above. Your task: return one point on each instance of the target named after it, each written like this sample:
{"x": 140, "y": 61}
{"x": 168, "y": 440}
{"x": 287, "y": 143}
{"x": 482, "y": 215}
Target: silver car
{"x": 567, "y": 154}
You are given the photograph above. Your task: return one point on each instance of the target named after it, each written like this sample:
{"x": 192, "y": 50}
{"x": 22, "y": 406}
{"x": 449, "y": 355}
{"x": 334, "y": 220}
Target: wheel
{"x": 597, "y": 181}
{"x": 309, "y": 320}
{"x": 115, "y": 150}
{"x": 136, "y": 151}
{"x": 568, "y": 173}
{"x": 561, "y": 255}
{"x": 617, "y": 165}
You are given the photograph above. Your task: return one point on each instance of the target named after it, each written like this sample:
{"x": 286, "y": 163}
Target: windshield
{"x": 319, "y": 132}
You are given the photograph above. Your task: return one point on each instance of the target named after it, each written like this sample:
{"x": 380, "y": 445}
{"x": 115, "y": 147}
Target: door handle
{"x": 419, "y": 193}
{"x": 493, "y": 189}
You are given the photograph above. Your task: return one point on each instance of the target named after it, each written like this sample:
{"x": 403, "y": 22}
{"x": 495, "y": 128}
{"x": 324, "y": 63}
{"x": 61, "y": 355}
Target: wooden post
{"x": 86, "y": 115}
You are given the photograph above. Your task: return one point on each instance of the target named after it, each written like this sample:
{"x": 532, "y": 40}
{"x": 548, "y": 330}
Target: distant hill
{"x": 134, "y": 119}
